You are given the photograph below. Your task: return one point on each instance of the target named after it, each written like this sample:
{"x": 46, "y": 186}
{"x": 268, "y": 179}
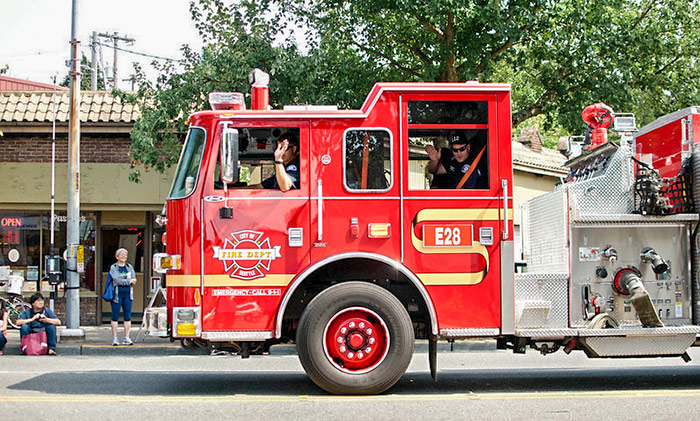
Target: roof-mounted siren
{"x": 599, "y": 117}
{"x": 226, "y": 101}
{"x": 259, "y": 91}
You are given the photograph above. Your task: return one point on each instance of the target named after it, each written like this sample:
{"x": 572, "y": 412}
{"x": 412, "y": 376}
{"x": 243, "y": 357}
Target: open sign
{"x": 448, "y": 235}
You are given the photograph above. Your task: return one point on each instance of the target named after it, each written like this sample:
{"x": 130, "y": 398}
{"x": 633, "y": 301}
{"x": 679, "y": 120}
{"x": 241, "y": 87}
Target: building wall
{"x": 104, "y": 186}
{"x": 37, "y": 148}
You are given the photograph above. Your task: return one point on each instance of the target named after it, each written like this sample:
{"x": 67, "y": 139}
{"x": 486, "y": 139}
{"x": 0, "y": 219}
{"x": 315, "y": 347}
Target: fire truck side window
{"x": 456, "y": 134}
{"x": 256, "y": 147}
{"x": 190, "y": 161}
{"x": 367, "y": 158}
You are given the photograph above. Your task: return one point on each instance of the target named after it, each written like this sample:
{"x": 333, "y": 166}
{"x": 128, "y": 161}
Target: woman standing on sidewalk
{"x": 124, "y": 278}
{"x": 3, "y": 326}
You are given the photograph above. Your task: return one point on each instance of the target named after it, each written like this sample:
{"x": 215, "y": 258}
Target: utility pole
{"x": 93, "y": 75}
{"x": 116, "y": 38}
{"x": 72, "y": 287}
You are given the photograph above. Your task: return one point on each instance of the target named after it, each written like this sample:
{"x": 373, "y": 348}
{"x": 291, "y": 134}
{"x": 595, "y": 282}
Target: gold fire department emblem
{"x": 246, "y": 254}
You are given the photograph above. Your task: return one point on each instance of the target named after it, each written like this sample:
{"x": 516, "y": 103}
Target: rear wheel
{"x": 14, "y": 312}
{"x": 355, "y": 338}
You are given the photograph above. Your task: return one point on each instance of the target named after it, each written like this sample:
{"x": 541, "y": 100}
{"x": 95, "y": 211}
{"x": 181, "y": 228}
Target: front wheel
{"x": 355, "y": 338}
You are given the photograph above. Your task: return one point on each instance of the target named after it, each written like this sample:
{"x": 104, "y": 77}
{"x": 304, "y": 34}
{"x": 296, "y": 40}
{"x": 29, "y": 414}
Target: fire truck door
{"x": 355, "y": 193}
{"x": 255, "y": 237}
{"x": 451, "y": 235}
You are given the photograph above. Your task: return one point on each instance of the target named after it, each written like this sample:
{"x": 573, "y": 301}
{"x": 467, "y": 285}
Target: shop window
{"x": 367, "y": 160}
{"x": 25, "y": 239}
{"x": 86, "y": 233}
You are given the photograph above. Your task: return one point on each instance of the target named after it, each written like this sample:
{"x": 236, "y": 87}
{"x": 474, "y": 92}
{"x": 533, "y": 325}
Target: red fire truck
{"x": 363, "y": 257}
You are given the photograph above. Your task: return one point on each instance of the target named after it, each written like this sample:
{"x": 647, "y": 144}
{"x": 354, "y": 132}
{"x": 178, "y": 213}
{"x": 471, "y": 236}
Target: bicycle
{"x": 15, "y": 306}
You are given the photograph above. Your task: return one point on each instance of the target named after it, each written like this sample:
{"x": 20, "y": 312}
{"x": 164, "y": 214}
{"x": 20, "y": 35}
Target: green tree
{"x": 637, "y": 56}
{"x": 237, "y": 39}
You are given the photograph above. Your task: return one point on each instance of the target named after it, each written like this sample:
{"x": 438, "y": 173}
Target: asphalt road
{"x": 472, "y": 385}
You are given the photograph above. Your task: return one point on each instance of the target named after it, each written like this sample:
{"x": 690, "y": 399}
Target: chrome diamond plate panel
{"x": 468, "y": 332}
{"x": 545, "y": 233}
{"x": 634, "y": 219}
{"x": 541, "y": 300}
{"x": 648, "y": 345}
{"x": 609, "y": 193}
{"x": 238, "y": 335}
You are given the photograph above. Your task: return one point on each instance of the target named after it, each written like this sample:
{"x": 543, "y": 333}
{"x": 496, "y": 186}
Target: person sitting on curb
{"x": 39, "y": 318}
{"x": 3, "y": 326}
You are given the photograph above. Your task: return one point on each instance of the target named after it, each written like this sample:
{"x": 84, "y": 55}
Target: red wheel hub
{"x": 356, "y": 340}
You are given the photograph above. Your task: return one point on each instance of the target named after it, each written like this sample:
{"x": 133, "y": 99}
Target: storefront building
{"x": 114, "y": 211}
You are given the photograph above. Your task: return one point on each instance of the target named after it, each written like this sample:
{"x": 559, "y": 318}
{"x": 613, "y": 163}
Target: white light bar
{"x": 310, "y": 108}
{"x": 624, "y": 123}
{"x": 226, "y": 101}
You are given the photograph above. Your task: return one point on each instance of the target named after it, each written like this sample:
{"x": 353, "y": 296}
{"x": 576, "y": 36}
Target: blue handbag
{"x": 108, "y": 295}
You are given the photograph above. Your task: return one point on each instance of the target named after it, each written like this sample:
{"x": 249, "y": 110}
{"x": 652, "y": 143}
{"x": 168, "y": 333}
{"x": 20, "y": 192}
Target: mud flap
{"x": 432, "y": 358}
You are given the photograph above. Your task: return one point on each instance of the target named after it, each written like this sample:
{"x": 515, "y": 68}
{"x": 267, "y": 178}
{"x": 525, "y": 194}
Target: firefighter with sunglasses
{"x": 456, "y": 167}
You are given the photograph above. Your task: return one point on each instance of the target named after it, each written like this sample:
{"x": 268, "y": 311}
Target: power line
{"x": 137, "y": 52}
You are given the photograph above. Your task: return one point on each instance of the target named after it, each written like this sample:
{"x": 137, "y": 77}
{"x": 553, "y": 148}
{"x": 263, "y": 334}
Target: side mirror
{"x": 229, "y": 155}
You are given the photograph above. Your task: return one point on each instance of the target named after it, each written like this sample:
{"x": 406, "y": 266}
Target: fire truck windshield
{"x": 188, "y": 167}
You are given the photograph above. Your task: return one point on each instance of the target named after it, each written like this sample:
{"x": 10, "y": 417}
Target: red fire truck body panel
{"x": 243, "y": 270}
{"x": 661, "y": 142}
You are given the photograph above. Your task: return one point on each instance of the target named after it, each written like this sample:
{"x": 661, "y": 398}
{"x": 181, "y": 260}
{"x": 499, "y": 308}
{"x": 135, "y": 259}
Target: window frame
{"x": 391, "y": 160}
{"x": 179, "y": 162}
{"x": 493, "y": 155}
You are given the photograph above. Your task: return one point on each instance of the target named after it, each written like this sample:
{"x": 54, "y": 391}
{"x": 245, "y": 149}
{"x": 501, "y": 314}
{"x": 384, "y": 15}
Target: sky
{"x": 35, "y": 34}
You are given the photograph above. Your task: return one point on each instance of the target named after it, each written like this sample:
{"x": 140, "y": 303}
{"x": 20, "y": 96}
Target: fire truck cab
{"x": 360, "y": 256}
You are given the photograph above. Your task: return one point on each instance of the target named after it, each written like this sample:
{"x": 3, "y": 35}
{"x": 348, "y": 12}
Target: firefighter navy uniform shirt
{"x": 292, "y": 170}
{"x": 456, "y": 170}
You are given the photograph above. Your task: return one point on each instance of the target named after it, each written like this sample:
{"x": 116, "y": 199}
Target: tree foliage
{"x": 637, "y": 56}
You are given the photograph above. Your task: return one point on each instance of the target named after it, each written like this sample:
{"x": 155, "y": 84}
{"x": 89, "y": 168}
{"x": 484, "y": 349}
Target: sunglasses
{"x": 462, "y": 149}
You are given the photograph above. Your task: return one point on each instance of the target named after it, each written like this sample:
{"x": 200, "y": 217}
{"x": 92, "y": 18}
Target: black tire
{"x": 341, "y": 306}
{"x": 15, "y": 312}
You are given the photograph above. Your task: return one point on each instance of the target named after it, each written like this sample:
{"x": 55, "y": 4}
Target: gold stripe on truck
{"x": 190, "y": 281}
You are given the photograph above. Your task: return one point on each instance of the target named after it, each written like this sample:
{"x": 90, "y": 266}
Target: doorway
{"x": 133, "y": 240}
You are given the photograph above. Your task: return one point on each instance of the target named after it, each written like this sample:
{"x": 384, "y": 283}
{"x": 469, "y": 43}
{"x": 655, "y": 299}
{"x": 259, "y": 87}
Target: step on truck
{"x": 327, "y": 228}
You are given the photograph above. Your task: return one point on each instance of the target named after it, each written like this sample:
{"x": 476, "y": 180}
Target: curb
{"x": 116, "y": 351}
{"x": 174, "y": 348}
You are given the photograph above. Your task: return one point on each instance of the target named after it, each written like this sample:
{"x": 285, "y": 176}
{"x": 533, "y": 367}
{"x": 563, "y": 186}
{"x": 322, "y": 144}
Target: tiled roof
{"x": 548, "y": 159}
{"x": 37, "y": 106}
